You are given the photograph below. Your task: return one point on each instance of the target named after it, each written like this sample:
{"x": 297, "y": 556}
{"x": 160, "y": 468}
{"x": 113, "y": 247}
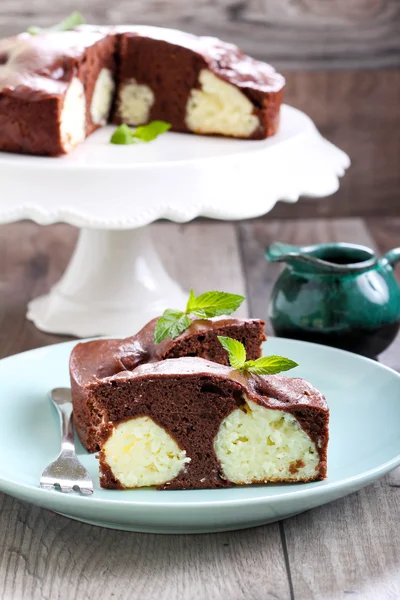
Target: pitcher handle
{"x": 393, "y": 256}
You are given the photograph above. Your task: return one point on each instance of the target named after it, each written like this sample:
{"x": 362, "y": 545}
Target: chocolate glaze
{"x": 35, "y": 67}
{"x": 272, "y": 391}
{"x": 225, "y": 59}
{"x": 103, "y": 358}
{"x": 189, "y": 397}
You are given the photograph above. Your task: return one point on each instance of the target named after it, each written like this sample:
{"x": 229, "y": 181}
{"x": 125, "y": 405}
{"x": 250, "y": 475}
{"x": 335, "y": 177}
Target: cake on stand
{"x": 115, "y": 282}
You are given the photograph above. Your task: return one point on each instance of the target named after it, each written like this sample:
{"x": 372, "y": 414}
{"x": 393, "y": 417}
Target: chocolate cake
{"x": 58, "y": 87}
{"x": 99, "y": 359}
{"x": 198, "y": 84}
{"x": 189, "y": 423}
{"x": 55, "y": 89}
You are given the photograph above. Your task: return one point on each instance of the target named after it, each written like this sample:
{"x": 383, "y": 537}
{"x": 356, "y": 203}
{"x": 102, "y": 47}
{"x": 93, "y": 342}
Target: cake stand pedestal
{"x": 115, "y": 281}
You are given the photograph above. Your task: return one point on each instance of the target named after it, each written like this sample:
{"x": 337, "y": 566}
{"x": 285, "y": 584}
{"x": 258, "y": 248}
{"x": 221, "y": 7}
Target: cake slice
{"x": 55, "y": 89}
{"x": 99, "y": 359}
{"x": 189, "y": 423}
{"x": 197, "y": 84}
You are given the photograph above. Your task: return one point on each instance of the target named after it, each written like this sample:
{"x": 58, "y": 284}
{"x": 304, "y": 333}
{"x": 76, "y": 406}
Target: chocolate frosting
{"x": 272, "y": 391}
{"x": 103, "y": 358}
{"x": 43, "y": 64}
{"x": 225, "y": 59}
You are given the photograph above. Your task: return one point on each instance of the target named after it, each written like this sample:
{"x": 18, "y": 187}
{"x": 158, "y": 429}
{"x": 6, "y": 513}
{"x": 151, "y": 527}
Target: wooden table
{"x": 347, "y": 549}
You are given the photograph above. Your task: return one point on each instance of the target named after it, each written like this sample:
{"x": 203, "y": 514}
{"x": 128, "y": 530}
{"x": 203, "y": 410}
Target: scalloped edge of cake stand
{"x": 115, "y": 281}
{"x": 179, "y": 178}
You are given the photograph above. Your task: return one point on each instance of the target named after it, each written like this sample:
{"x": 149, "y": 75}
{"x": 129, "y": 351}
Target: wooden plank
{"x": 32, "y": 258}
{"x": 348, "y": 546}
{"x": 44, "y": 555}
{"x": 203, "y": 257}
{"x": 357, "y": 111}
{"x": 291, "y": 33}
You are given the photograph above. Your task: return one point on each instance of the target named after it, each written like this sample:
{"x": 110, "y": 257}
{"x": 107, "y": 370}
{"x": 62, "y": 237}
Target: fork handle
{"x": 61, "y": 398}
{"x": 67, "y": 432}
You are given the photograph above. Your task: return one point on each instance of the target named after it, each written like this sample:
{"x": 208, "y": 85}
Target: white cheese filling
{"x": 140, "y": 453}
{"x": 257, "y": 444}
{"x": 220, "y": 108}
{"x": 73, "y": 115}
{"x": 135, "y": 102}
{"x": 102, "y": 97}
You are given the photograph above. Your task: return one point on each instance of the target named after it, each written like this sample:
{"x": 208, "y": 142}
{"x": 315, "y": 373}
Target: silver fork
{"x": 66, "y": 472}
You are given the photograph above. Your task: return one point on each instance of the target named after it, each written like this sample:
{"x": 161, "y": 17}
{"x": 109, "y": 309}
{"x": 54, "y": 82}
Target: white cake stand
{"x": 115, "y": 281}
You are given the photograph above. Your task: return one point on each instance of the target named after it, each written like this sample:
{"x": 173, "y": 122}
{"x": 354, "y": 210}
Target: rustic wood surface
{"x": 291, "y": 33}
{"x": 350, "y": 547}
{"x": 359, "y": 112}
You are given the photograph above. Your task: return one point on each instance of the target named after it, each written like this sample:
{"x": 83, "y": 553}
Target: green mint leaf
{"x": 149, "y": 132}
{"x": 72, "y": 21}
{"x": 122, "y": 135}
{"x": 170, "y": 325}
{"x": 266, "y": 365}
{"x": 236, "y": 351}
{"x": 145, "y": 133}
{"x": 191, "y": 302}
{"x": 213, "y": 304}
{"x": 269, "y": 365}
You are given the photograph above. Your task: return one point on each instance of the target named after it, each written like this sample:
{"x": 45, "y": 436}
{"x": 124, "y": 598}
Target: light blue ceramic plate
{"x": 364, "y": 398}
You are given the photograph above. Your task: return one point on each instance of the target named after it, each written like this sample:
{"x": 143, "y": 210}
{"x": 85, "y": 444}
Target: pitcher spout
{"x": 292, "y": 255}
{"x": 335, "y": 258}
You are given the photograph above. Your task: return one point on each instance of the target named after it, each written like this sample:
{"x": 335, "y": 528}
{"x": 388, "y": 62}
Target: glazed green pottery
{"x": 337, "y": 294}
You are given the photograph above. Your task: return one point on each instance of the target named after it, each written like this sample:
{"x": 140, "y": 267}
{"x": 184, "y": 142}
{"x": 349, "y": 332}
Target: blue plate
{"x": 364, "y": 398}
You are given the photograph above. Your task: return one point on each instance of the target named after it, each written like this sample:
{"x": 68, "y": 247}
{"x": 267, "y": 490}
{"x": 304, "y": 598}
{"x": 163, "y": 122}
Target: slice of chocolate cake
{"x": 189, "y": 423}
{"x": 197, "y": 84}
{"x": 55, "y": 89}
{"x": 100, "y": 359}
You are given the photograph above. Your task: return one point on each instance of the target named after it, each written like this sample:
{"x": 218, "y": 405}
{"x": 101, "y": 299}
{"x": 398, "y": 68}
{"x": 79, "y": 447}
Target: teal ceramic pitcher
{"x": 340, "y": 295}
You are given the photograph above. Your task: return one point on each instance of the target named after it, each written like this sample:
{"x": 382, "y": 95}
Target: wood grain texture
{"x": 44, "y": 556}
{"x": 348, "y": 548}
{"x": 291, "y": 33}
{"x": 204, "y": 246}
{"x": 357, "y": 111}
{"x": 32, "y": 258}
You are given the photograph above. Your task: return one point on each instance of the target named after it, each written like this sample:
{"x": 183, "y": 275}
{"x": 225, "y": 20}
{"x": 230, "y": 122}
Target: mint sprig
{"x": 170, "y": 325}
{"x": 266, "y": 365}
{"x": 72, "y": 21}
{"x": 210, "y": 304}
{"x": 124, "y": 135}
